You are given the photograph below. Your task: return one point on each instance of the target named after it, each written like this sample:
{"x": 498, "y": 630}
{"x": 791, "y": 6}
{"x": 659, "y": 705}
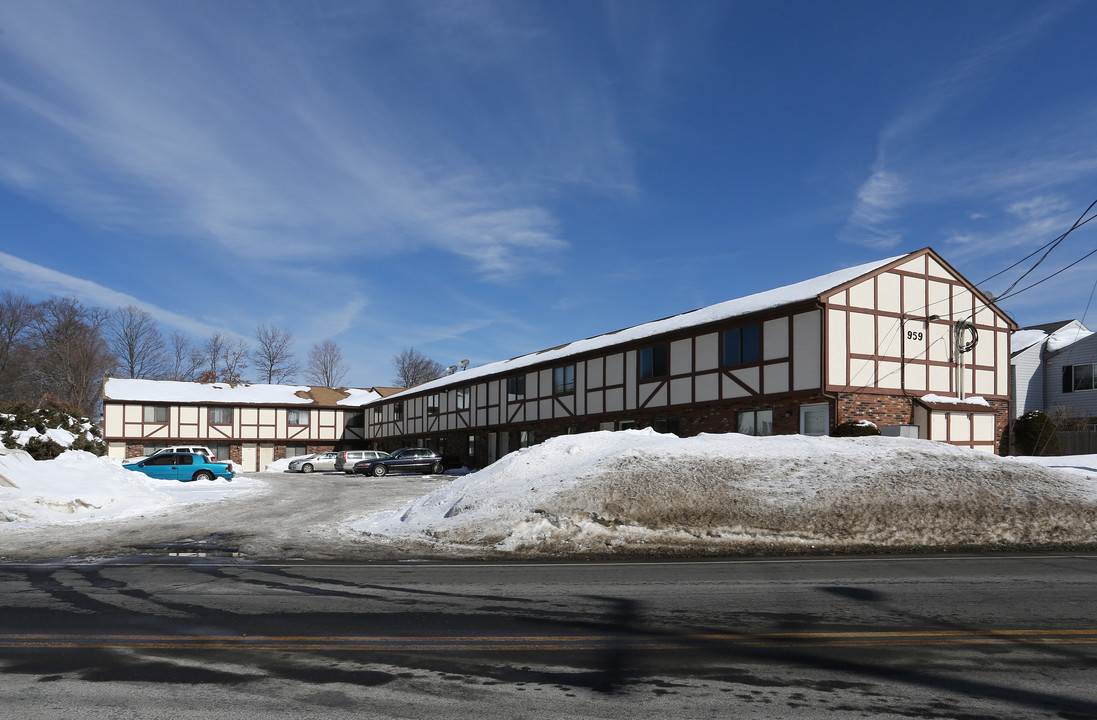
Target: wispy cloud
{"x": 45, "y": 280}
{"x": 193, "y": 121}
{"x": 902, "y": 176}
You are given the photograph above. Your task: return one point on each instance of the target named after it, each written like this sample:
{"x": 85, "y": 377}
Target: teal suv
{"x": 184, "y": 467}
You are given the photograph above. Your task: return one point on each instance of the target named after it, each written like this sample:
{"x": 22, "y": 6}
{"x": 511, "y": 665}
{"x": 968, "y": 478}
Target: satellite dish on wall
{"x": 464, "y": 364}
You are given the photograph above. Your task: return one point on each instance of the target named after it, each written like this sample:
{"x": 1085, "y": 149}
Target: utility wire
{"x": 1047, "y": 247}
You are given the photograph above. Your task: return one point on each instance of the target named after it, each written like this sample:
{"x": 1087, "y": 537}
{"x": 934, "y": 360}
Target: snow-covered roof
{"x": 1024, "y": 339}
{"x": 778, "y": 297}
{"x": 172, "y": 391}
{"x": 1067, "y": 336}
{"x": 940, "y": 400}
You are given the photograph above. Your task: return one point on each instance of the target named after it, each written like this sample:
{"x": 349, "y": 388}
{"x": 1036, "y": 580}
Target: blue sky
{"x": 480, "y": 180}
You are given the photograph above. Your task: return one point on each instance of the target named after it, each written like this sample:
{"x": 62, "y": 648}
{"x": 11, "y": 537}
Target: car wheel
{"x": 437, "y": 469}
{"x": 379, "y": 470}
{"x": 203, "y": 475}
{"x": 306, "y": 468}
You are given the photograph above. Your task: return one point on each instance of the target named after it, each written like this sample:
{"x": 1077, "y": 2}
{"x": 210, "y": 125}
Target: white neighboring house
{"x": 1053, "y": 368}
{"x": 251, "y": 424}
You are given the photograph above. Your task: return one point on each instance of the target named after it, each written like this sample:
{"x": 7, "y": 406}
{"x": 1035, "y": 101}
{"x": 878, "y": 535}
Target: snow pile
{"x": 970, "y": 400}
{"x": 79, "y": 486}
{"x": 641, "y": 492}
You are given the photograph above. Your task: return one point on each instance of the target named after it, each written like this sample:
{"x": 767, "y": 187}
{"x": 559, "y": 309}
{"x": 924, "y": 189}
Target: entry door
{"x": 248, "y": 458}
{"x": 266, "y": 456}
{"x": 493, "y": 453}
{"x": 815, "y": 419}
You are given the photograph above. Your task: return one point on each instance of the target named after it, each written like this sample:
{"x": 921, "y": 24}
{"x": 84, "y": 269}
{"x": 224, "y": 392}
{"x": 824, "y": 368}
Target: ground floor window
{"x": 149, "y": 449}
{"x": 525, "y": 438}
{"x": 223, "y": 451}
{"x": 666, "y": 425}
{"x": 756, "y": 422}
{"x": 293, "y": 451}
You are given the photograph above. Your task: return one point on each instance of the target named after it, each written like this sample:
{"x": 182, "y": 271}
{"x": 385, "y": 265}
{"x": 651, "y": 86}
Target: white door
{"x": 248, "y": 458}
{"x": 815, "y": 419}
{"x": 266, "y": 456}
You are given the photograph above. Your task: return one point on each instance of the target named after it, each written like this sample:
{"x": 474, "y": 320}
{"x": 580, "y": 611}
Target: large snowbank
{"x": 642, "y": 492}
{"x": 78, "y": 486}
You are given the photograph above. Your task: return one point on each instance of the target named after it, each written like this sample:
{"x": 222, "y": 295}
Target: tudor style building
{"x": 250, "y": 424}
{"x": 905, "y": 342}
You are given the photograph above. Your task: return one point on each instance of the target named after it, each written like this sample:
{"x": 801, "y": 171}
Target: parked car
{"x": 184, "y": 467}
{"x": 346, "y": 459}
{"x": 422, "y": 460}
{"x": 316, "y": 461}
{"x": 200, "y": 449}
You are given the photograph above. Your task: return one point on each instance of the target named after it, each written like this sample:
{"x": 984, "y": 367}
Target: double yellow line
{"x": 376, "y": 643}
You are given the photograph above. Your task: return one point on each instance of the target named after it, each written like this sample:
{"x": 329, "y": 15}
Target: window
{"x": 151, "y": 449}
{"x": 666, "y": 425}
{"x": 1079, "y": 377}
{"x": 756, "y": 422}
{"x": 156, "y": 413}
{"x": 432, "y": 404}
{"x": 626, "y": 425}
{"x": 398, "y": 411}
{"x": 525, "y": 438}
{"x": 563, "y": 380}
{"x": 165, "y": 459}
{"x": 654, "y": 362}
{"x": 220, "y": 416}
{"x": 472, "y": 448}
{"x": 741, "y": 345}
{"x": 516, "y": 388}
{"x": 356, "y": 419}
{"x": 292, "y": 451}
{"x": 378, "y": 414}
{"x": 463, "y": 398}
{"x": 223, "y": 451}
{"x": 298, "y": 417}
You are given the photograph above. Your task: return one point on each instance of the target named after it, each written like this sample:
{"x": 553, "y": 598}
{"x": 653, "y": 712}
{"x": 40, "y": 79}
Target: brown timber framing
{"x": 639, "y": 397}
{"x": 802, "y": 368}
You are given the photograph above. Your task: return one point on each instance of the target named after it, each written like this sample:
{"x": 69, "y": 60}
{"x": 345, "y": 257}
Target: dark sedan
{"x": 423, "y": 460}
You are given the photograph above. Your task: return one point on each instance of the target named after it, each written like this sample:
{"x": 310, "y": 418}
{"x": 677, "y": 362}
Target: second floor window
{"x": 654, "y": 362}
{"x": 463, "y": 398}
{"x": 398, "y": 411}
{"x": 742, "y": 345}
{"x": 432, "y": 404}
{"x": 563, "y": 380}
{"x": 378, "y": 414}
{"x": 516, "y": 388}
{"x": 298, "y": 417}
{"x": 156, "y": 413}
{"x": 220, "y": 416}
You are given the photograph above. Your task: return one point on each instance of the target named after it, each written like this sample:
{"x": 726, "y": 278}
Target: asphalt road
{"x": 934, "y": 637}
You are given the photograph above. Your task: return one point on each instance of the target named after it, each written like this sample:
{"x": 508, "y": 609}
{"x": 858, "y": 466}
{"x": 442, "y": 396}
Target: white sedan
{"x": 309, "y": 463}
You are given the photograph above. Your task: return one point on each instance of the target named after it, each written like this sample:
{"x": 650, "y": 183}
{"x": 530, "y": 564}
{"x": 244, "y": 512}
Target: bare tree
{"x": 186, "y": 360}
{"x": 17, "y": 317}
{"x": 326, "y": 367}
{"x": 414, "y": 368}
{"x": 72, "y": 356}
{"x": 224, "y": 359}
{"x": 273, "y": 358}
{"x": 135, "y": 340}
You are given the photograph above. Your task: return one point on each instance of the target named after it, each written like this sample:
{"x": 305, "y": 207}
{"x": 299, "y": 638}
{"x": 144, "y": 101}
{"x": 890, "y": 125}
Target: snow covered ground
{"x": 639, "y": 492}
{"x": 631, "y": 494}
{"x": 78, "y": 486}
